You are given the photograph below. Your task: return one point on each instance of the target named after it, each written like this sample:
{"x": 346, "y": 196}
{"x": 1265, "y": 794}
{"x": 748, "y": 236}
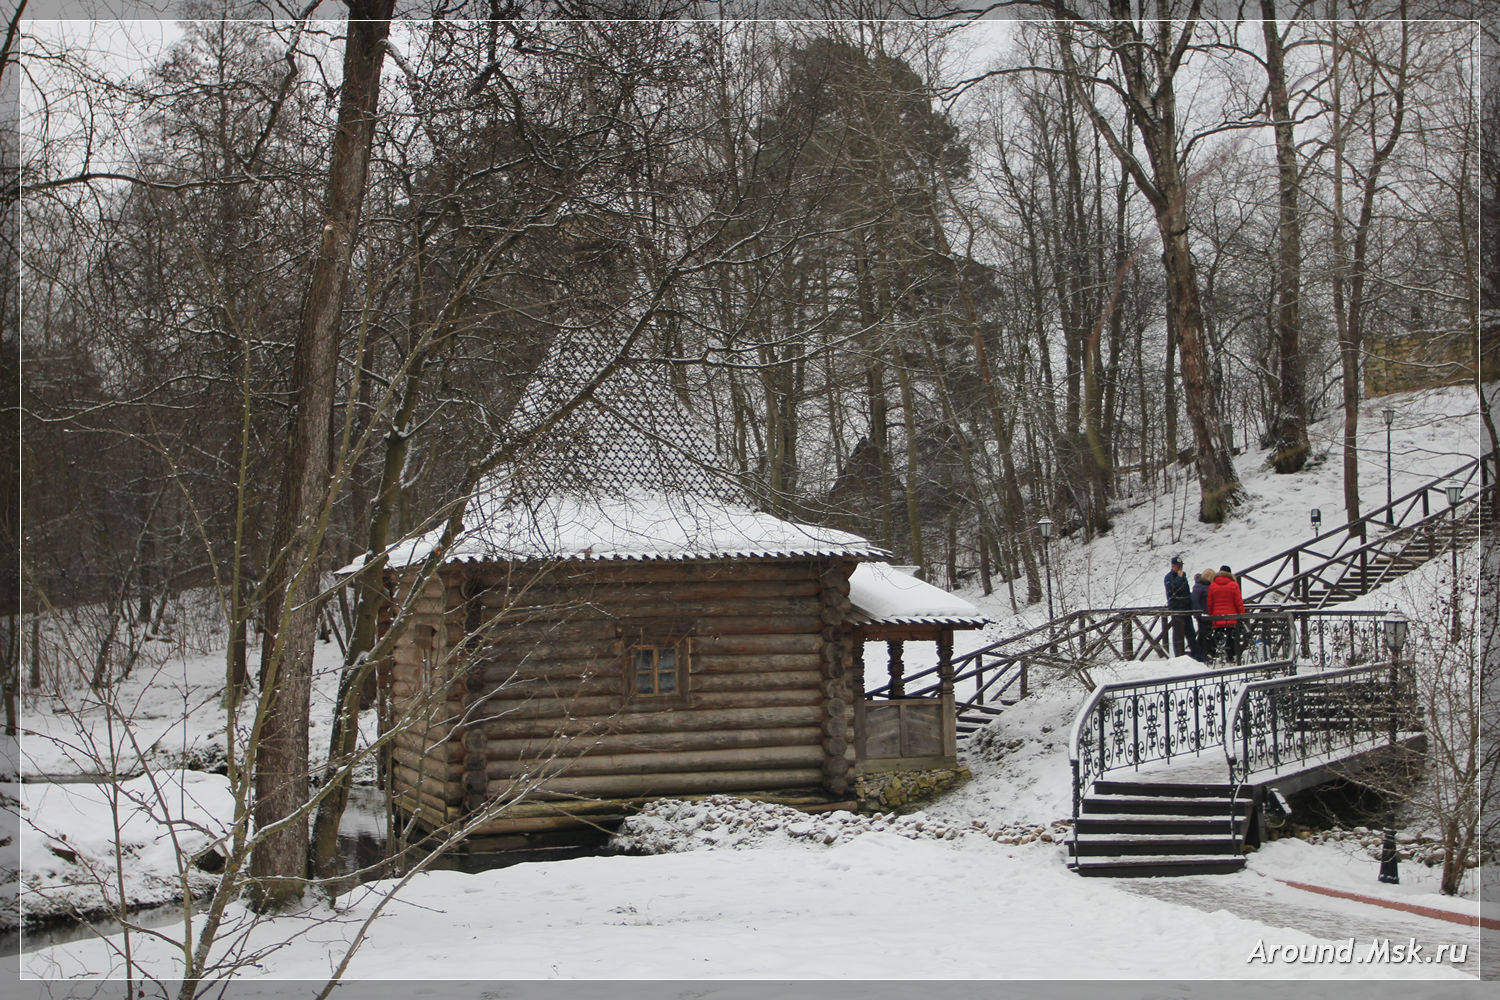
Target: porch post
{"x": 949, "y": 720}
{"x": 857, "y": 667}
{"x": 945, "y": 661}
{"x": 897, "y": 668}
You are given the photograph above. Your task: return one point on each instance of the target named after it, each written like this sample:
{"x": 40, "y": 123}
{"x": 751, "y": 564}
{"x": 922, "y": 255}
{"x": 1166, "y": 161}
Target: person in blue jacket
{"x": 1180, "y": 599}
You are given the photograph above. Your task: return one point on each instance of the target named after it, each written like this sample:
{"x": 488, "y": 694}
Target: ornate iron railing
{"x": 1131, "y": 723}
{"x": 1333, "y": 640}
{"x": 1287, "y": 721}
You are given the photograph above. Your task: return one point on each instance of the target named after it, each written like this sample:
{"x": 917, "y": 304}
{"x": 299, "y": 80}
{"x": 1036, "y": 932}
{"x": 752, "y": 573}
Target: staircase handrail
{"x": 1359, "y": 553}
{"x": 1207, "y": 730}
{"x": 1346, "y": 534}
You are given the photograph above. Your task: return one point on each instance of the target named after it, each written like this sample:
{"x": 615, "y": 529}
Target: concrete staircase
{"x": 1153, "y": 828}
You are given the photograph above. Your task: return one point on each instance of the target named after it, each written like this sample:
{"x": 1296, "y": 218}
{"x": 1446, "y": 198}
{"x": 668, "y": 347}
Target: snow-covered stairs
{"x": 1140, "y": 828}
{"x": 1394, "y": 558}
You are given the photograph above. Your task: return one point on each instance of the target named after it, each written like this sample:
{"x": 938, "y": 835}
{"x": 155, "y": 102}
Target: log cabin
{"x": 635, "y": 632}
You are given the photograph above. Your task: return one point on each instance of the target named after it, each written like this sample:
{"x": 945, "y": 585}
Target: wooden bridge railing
{"x": 1081, "y": 638}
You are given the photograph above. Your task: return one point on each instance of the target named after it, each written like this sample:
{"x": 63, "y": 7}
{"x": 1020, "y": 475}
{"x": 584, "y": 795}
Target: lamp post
{"x": 1395, "y": 626}
{"x": 1316, "y": 517}
{"x": 1455, "y": 493}
{"x": 1390, "y": 514}
{"x": 1045, "y": 526}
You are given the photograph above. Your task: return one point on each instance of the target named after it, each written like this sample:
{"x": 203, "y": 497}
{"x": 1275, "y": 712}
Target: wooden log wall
{"x": 426, "y": 756}
{"x": 535, "y": 697}
{"x": 838, "y": 694}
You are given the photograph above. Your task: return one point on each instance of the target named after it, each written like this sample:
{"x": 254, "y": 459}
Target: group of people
{"x": 1214, "y": 597}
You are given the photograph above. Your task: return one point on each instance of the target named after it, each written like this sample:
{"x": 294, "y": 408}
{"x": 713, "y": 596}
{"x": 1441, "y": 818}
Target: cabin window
{"x": 657, "y": 668}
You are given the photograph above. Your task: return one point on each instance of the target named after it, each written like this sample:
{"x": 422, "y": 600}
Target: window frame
{"x": 657, "y": 640}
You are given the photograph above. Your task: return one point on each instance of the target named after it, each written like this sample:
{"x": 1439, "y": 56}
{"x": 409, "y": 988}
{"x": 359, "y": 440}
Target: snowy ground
{"x": 162, "y": 732}
{"x": 973, "y": 887}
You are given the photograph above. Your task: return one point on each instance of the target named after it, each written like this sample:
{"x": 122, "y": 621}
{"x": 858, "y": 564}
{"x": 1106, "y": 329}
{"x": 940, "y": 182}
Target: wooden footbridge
{"x": 1173, "y": 775}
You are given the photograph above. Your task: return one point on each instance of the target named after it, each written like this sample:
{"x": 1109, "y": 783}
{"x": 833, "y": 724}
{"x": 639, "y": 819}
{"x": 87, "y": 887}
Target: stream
{"x": 362, "y": 856}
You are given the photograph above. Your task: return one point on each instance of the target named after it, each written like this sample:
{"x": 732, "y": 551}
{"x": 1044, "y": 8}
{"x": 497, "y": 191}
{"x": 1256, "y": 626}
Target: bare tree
{"x": 1148, "y": 69}
{"x": 1289, "y": 445}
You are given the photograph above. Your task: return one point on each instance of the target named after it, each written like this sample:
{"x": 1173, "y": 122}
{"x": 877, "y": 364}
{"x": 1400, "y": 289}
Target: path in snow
{"x": 1269, "y": 901}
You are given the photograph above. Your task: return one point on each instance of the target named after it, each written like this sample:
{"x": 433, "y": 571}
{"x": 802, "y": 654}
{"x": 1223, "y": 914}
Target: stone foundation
{"x": 902, "y": 791}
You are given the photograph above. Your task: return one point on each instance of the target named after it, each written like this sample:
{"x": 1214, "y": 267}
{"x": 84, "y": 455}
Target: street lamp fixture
{"x": 1395, "y": 627}
{"x": 1389, "y": 415}
{"x": 1045, "y": 527}
{"x": 1316, "y": 516}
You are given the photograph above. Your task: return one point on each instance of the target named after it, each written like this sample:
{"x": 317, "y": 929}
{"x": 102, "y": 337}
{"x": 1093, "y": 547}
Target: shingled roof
{"x": 626, "y": 476}
{"x": 884, "y": 595}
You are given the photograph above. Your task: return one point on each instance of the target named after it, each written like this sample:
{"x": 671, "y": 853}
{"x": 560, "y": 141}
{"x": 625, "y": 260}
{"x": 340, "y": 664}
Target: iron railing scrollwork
{"x": 1131, "y": 723}
{"x": 1292, "y": 721}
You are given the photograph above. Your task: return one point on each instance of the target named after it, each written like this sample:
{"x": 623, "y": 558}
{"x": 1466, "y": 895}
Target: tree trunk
{"x": 279, "y": 863}
{"x": 1289, "y": 444}
{"x": 1151, "y": 107}
{"x": 1352, "y": 269}
{"x": 1218, "y": 484}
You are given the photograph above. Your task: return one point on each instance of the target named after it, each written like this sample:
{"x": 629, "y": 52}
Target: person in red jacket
{"x": 1224, "y": 599}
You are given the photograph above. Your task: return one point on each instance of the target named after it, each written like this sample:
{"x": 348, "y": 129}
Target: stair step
{"x": 1120, "y": 845}
{"x": 1164, "y": 789}
{"x": 1152, "y": 824}
{"x": 1096, "y": 805}
{"x": 1158, "y": 867}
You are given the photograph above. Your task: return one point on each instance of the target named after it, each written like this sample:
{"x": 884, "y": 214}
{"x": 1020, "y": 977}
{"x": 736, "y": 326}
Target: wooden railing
{"x": 999, "y": 673}
{"x": 1356, "y": 557}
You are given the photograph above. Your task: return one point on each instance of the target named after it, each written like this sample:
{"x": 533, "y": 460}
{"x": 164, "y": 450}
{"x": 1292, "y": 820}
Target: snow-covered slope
{"x": 1434, "y": 432}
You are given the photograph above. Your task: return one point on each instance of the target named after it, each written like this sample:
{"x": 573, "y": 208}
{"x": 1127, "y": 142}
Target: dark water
{"x": 363, "y": 856}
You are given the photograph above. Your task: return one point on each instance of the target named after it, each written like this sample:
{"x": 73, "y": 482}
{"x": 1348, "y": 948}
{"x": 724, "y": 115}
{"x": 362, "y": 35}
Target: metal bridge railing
{"x": 1295, "y": 721}
{"x": 1130, "y": 723}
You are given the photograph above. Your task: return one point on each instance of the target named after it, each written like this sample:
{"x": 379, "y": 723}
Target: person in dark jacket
{"x": 1180, "y": 598}
{"x": 1200, "y": 604}
{"x": 1224, "y": 600}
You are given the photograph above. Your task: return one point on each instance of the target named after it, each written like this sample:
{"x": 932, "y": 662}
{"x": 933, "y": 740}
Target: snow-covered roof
{"x": 884, "y": 595}
{"x": 633, "y": 434}
{"x": 627, "y": 475}
{"x": 639, "y": 526}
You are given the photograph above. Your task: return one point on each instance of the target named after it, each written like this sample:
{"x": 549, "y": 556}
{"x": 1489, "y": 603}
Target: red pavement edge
{"x": 1423, "y": 911}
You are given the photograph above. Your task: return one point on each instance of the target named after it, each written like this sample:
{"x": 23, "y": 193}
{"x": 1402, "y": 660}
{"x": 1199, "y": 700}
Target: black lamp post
{"x": 1395, "y": 637}
{"x": 1045, "y": 526}
{"x": 1390, "y": 514}
{"x": 1455, "y": 493}
{"x": 1316, "y": 517}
